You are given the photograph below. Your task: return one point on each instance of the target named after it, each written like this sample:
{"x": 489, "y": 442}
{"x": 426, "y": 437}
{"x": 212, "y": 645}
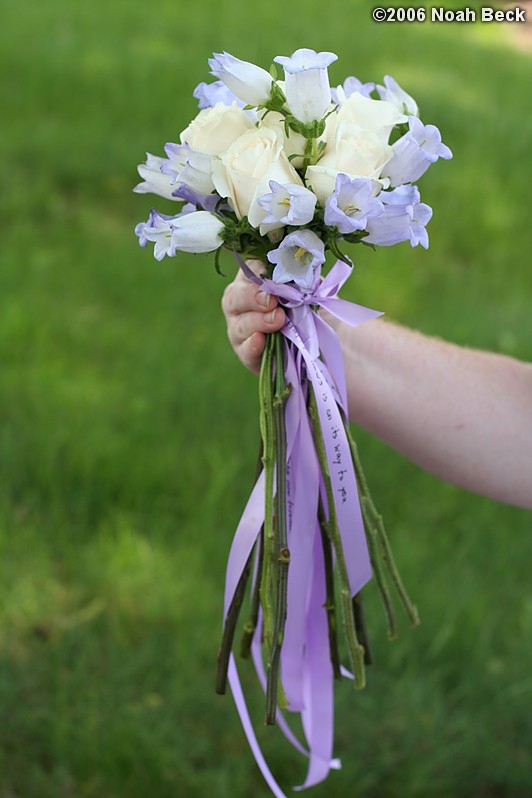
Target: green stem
{"x": 376, "y": 565}
{"x": 377, "y": 523}
{"x": 360, "y": 625}
{"x": 283, "y": 554}
{"x": 251, "y": 624}
{"x": 387, "y": 556}
{"x": 311, "y": 153}
{"x": 330, "y": 602}
{"x": 229, "y": 628}
{"x": 268, "y": 440}
{"x": 355, "y": 650}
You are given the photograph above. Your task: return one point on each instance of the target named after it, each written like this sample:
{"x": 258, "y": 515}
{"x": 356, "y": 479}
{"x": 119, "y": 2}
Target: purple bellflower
{"x": 157, "y": 230}
{"x": 177, "y": 159}
{"x": 392, "y": 92}
{"x": 297, "y": 258}
{"x": 208, "y": 94}
{"x": 154, "y": 181}
{"x": 188, "y": 231}
{"x": 351, "y": 85}
{"x": 414, "y": 152}
{"x": 185, "y": 165}
{"x": 404, "y": 219}
{"x": 421, "y": 216}
{"x": 402, "y": 195}
{"x": 206, "y": 202}
{"x": 289, "y": 204}
{"x": 189, "y": 183}
{"x": 248, "y": 82}
{"x": 351, "y": 204}
{"x": 196, "y": 232}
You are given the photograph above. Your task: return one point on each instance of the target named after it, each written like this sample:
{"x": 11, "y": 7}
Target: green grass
{"x": 128, "y": 429}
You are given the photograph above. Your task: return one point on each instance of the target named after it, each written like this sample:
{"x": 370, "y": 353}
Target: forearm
{"x": 462, "y": 414}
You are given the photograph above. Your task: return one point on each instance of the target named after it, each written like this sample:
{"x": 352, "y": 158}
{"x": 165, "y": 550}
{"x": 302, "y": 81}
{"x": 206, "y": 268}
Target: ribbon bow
{"x": 315, "y": 333}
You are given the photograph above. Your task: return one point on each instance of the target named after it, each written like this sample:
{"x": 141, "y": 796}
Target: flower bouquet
{"x": 286, "y": 171}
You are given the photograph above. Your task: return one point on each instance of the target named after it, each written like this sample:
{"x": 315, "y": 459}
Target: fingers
{"x": 247, "y": 334}
{"x": 244, "y": 325}
{"x": 242, "y": 297}
{"x": 250, "y": 313}
{"x": 250, "y": 351}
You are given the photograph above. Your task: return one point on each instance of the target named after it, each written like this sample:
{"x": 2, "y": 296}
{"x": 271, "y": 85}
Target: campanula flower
{"x": 414, "y": 152}
{"x": 248, "y": 82}
{"x": 288, "y": 204}
{"x": 154, "y": 180}
{"x": 351, "y": 204}
{"x": 393, "y": 93}
{"x": 308, "y": 92}
{"x": 297, "y": 258}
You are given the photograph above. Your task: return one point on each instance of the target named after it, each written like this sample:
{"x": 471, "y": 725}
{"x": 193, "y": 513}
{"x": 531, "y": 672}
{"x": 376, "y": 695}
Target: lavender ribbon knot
{"x": 315, "y": 333}
{"x": 312, "y": 353}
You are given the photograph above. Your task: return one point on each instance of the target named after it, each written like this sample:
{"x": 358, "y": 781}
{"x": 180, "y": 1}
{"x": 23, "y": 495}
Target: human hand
{"x": 250, "y": 313}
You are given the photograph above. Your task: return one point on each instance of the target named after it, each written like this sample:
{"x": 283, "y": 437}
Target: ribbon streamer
{"x": 312, "y": 353}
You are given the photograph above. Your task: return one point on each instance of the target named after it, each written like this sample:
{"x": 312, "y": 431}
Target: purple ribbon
{"x": 312, "y": 352}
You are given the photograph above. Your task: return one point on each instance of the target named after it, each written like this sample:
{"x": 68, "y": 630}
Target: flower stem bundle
{"x": 272, "y": 552}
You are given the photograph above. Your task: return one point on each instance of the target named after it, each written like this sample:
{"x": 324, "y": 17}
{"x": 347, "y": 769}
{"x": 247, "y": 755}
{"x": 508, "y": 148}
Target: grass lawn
{"x": 128, "y": 430}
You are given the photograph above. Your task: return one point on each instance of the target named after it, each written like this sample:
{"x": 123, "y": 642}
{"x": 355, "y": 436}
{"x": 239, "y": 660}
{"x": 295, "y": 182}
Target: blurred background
{"x": 128, "y": 429}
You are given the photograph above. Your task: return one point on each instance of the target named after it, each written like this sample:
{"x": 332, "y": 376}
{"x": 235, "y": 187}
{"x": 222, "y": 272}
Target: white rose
{"x": 243, "y": 172}
{"x": 293, "y": 144}
{"x": 211, "y": 132}
{"x": 375, "y": 115}
{"x": 355, "y": 152}
{"x": 214, "y": 129}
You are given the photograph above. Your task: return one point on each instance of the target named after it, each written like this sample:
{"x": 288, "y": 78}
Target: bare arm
{"x": 462, "y": 414}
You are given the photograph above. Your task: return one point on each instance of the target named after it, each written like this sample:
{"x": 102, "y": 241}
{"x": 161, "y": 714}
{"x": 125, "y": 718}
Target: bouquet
{"x": 288, "y": 171}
